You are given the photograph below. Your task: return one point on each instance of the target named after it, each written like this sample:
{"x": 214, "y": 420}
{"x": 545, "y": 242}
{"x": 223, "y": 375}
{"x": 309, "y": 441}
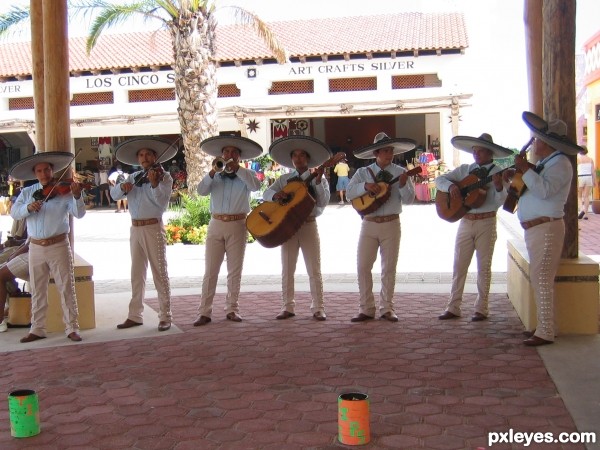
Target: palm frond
{"x": 17, "y": 15}
{"x": 245, "y": 17}
{"x": 107, "y": 14}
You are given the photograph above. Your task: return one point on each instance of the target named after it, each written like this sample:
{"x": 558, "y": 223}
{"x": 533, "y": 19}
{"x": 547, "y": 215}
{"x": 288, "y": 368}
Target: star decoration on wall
{"x": 252, "y": 126}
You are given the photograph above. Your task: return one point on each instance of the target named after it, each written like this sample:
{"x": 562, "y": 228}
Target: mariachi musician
{"x": 477, "y": 228}
{"x": 541, "y": 212}
{"x": 229, "y": 185}
{"x": 46, "y": 207}
{"x": 381, "y": 228}
{"x": 301, "y": 153}
{"x": 148, "y": 192}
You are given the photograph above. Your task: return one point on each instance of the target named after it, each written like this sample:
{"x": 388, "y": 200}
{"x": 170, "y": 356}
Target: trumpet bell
{"x": 220, "y": 164}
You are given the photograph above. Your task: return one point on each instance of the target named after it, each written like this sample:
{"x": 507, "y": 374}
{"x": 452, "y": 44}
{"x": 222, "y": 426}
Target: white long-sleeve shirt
{"x": 546, "y": 192}
{"x": 493, "y": 199}
{"x": 144, "y": 201}
{"x": 53, "y": 218}
{"x": 398, "y": 196}
{"x": 230, "y": 195}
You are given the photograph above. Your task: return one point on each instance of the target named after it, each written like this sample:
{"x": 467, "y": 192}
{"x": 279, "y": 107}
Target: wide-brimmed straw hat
{"x": 553, "y": 133}
{"x": 127, "y": 151}
{"x": 382, "y": 140}
{"x": 23, "y": 169}
{"x": 281, "y": 150}
{"x": 214, "y": 146}
{"x": 467, "y": 143}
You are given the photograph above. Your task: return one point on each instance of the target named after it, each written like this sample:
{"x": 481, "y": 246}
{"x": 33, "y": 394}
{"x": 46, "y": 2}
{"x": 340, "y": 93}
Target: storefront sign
{"x": 349, "y": 68}
{"x": 130, "y": 80}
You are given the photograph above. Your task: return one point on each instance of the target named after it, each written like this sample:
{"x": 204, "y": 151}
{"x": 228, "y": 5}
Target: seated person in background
{"x": 18, "y": 235}
{"x": 16, "y": 267}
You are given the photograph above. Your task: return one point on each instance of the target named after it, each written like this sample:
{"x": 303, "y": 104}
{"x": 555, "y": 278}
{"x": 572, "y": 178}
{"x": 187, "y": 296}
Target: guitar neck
{"x": 330, "y": 162}
{"x": 481, "y": 183}
{"x": 410, "y": 173}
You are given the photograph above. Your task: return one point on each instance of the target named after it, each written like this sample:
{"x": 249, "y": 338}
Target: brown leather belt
{"x": 229, "y": 217}
{"x": 382, "y": 219}
{"x": 49, "y": 241}
{"x": 479, "y": 216}
{"x": 143, "y": 222}
{"x": 538, "y": 221}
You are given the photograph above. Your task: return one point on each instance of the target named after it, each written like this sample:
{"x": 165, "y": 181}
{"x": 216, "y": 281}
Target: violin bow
{"x": 61, "y": 177}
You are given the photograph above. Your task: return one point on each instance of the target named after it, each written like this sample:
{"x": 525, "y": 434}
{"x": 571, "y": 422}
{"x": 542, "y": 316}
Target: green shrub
{"x": 190, "y": 226}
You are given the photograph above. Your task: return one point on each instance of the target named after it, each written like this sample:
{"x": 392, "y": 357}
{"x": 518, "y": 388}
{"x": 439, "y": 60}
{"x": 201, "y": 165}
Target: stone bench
{"x": 576, "y": 291}
{"x": 20, "y": 307}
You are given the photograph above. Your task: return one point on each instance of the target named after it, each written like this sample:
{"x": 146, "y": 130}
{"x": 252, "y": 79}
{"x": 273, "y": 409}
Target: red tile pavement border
{"x": 273, "y": 384}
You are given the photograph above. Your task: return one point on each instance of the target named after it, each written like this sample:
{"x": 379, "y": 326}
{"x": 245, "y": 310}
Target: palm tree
{"x": 191, "y": 24}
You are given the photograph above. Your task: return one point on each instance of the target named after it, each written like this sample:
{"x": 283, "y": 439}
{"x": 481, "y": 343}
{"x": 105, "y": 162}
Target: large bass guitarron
{"x": 273, "y": 223}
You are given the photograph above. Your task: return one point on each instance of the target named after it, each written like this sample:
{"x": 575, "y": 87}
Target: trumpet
{"x": 220, "y": 164}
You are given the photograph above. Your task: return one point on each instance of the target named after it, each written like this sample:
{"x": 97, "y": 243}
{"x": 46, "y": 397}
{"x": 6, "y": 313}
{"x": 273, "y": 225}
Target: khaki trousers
{"x": 148, "y": 244}
{"x": 56, "y": 261}
{"x": 307, "y": 239}
{"x": 384, "y": 237}
{"x": 477, "y": 236}
{"x": 544, "y": 245}
{"x": 223, "y": 238}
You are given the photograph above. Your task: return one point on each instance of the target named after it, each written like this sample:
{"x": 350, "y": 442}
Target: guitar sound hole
{"x": 285, "y": 201}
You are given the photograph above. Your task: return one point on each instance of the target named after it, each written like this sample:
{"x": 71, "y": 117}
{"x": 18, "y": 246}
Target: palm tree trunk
{"x": 196, "y": 89}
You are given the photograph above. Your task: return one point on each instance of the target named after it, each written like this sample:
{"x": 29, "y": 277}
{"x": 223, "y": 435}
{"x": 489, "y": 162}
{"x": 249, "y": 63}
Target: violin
{"x": 142, "y": 177}
{"x": 56, "y": 188}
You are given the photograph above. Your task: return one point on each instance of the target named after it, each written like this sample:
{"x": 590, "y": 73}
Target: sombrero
{"x": 382, "y": 140}
{"x": 214, "y": 146}
{"x": 126, "y": 152}
{"x": 467, "y": 143}
{"x": 281, "y": 150}
{"x": 23, "y": 169}
{"x": 553, "y": 133}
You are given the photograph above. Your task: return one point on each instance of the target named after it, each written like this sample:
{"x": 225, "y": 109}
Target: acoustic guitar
{"x": 273, "y": 223}
{"x": 517, "y": 186}
{"x": 472, "y": 195}
{"x": 369, "y": 202}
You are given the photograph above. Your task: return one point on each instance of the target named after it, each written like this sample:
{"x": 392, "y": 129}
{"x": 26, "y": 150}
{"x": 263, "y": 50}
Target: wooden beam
{"x": 37, "y": 71}
{"x": 558, "y": 84}
{"x": 56, "y": 76}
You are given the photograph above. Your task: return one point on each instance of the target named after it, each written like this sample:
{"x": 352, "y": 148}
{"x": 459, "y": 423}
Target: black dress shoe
{"x": 284, "y": 315}
{"x": 478, "y": 317}
{"x": 74, "y": 336}
{"x": 361, "y": 318}
{"x": 529, "y": 334}
{"x": 535, "y": 341}
{"x": 581, "y": 214}
{"x": 391, "y": 316}
{"x": 233, "y": 316}
{"x": 128, "y": 324}
{"x": 164, "y": 326}
{"x": 31, "y": 337}
{"x": 448, "y": 315}
{"x": 203, "y": 320}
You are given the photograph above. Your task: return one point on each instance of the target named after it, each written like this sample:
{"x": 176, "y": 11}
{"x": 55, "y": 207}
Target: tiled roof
{"x": 405, "y": 32}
